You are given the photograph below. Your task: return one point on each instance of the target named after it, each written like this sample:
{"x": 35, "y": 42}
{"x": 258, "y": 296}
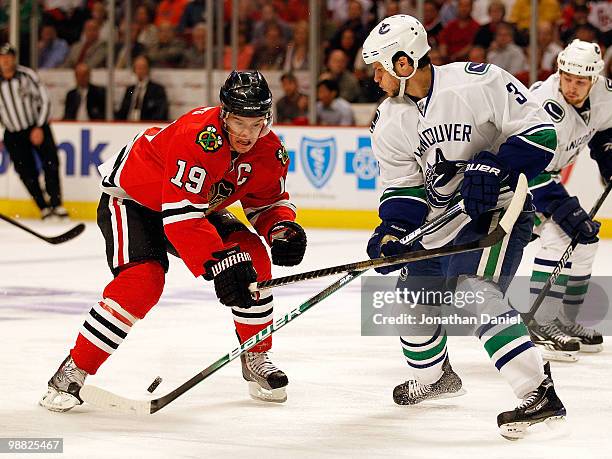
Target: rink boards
{"x": 333, "y": 176}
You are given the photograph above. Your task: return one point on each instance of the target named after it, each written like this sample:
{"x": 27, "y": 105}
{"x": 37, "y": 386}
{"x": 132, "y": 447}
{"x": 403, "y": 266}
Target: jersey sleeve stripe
{"x": 537, "y": 128}
{"x": 182, "y": 204}
{"x": 541, "y": 180}
{"x": 181, "y": 217}
{"x": 253, "y": 213}
{"x": 545, "y": 139}
{"x": 415, "y": 192}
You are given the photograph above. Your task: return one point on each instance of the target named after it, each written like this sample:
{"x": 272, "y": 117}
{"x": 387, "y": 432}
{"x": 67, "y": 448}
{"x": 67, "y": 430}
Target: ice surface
{"x": 340, "y": 383}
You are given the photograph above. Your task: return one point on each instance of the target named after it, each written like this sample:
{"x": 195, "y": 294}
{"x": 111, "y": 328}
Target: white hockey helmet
{"x": 581, "y": 58}
{"x": 392, "y": 35}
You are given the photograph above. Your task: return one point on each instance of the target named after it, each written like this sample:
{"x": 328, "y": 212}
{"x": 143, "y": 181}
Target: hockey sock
{"x": 425, "y": 355}
{"x": 550, "y": 307}
{"x": 104, "y": 329}
{"x": 254, "y": 319}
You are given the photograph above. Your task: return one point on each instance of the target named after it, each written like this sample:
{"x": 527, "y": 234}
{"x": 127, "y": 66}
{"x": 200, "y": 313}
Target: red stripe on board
{"x": 120, "y": 260}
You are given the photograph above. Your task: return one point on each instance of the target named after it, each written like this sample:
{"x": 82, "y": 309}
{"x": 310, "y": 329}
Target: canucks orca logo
{"x": 438, "y": 175}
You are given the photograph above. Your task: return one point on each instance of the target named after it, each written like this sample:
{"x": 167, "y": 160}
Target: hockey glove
{"x": 574, "y": 220}
{"x": 481, "y": 184}
{"x": 385, "y": 242}
{"x": 232, "y": 272}
{"x": 287, "y": 243}
{"x": 603, "y": 157}
{"x": 601, "y": 151}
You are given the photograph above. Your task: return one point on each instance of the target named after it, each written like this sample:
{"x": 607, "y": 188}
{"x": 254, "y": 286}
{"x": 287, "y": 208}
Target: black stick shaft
{"x": 68, "y": 235}
{"x": 527, "y": 318}
{"x": 436, "y": 223}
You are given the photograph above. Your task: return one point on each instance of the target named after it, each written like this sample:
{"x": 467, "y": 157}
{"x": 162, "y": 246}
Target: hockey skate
{"x": 266, "y": 381}
{"x": 554, "y": 343}
{"x": 590, "y": 339}
{"x": 540, "y": 405}
{"x": 412, "y": 392}
{"x": 63, "y": 387}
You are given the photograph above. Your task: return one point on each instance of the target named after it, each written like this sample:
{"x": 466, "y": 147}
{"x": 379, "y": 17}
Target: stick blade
{"x": 516, "y": 205}
{"x": 68, "y": 235}
{"x": 108, "y": 401}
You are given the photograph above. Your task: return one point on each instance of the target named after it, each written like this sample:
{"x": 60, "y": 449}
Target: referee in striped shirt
{"x": 24, "y": 112}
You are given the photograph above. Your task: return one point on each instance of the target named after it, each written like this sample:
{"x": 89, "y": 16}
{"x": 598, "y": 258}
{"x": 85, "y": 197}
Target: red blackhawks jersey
{"x": 187, "y": 167}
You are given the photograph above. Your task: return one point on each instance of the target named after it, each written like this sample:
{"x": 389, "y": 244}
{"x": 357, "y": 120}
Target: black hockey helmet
{"x": 246, "y": 93}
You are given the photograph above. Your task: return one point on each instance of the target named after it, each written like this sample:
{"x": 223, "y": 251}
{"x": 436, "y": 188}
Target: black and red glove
{"x": 287, "y": 243}
{"x": 232, "y": 271}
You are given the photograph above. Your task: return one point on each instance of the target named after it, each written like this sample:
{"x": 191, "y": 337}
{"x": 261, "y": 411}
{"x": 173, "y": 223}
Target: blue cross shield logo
{"x": 363, "y": 164}
{"x": 318, "y": 157}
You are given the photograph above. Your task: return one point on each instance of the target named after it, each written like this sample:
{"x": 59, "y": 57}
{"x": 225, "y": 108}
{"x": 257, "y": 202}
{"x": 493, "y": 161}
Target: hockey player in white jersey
{"x": 458, "y": 131}
{"x": 579, "y": 102}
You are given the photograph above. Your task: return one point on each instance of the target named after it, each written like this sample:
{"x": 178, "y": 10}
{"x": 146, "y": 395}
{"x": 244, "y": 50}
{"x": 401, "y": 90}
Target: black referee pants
{"x": 21, "y": 151}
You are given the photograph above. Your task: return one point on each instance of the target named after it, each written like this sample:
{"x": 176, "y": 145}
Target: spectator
{"x": 170, "y": 11}
{"x": 431, "y": 21}
{"x": 90, "y": 49}
{"x": 477, "y": 54}
{"x": 28, "y": 137}
{"x": 331, "y": 109}
{"x": 448, "y": 11}
{"x": 122, "y": 53}
{"x": 608, "y": 63}
{"x": 195, "y": 55}
{"x": 87, "y": 101}
{"x": 350, "y": 47}
{"x": 486, "y": 32}
{"x": 587, "y": 32}
{"x": 348, "y": 85}
{"x": 504, "y": 53}
{"x": 296, "y": 57}
{"x": 291, "y": 11}
{"x": 269, "y": 18}
{"x": 52, "y": 51}
{"x": 147, "y": 32}
{"x": 290, "y": 108}
{"x": 168, "y": 52}
{"x": 579, "y": 17}
{"x": 270, "y": 53}
{"x": 457, "y": 37}
{"x": 99, "y": 14}
{"x": 548, "y": 11}
{"x": 436, "y": 57}
{"x": 353, "y": 22}
{"x": 548, "y": 48}
{"x": 193, "y": 14}
{"x": 245, "y": 51}
{"x": 600, "y": 16}
{"x": 146, "y": 100}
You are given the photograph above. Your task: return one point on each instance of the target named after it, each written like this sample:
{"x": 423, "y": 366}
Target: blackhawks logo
{"x": 282, "y": 155}
{"x": 209, "y": 139}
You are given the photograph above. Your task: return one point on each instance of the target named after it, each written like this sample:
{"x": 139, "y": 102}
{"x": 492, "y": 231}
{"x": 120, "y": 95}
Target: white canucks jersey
{"x": 574, "y": 131}
{"x": 423, "y": 147}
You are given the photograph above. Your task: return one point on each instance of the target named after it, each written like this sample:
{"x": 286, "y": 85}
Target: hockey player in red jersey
{"x": 167, "y": 190}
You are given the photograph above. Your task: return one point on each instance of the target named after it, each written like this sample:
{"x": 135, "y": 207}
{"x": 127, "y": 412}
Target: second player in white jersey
{"x": 579, "y": 102}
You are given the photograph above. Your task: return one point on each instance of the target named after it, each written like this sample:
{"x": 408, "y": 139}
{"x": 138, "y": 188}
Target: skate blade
{"x": 58, "y": 402}
{"x": 591, "y": 348}
{"x": 459, "y": 393}
{"x": 267, "y": 395}
{"x": 558, "y": 356}
{"x": 514, "y": 431}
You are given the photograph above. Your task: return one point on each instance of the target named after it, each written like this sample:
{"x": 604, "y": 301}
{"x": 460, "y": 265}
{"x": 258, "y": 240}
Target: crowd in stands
{"x": 274, "y": 35}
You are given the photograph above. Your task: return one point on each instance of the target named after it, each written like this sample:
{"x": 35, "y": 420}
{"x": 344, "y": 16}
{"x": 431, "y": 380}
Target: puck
{"x": 154, "y": 384}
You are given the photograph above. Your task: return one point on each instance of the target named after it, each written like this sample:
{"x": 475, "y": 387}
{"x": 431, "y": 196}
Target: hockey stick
{"x": 64, "y": 237}
{"x": 528, "y": 318}
{"x": 107, "y": 400}
{"x": 517, "y": 202}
